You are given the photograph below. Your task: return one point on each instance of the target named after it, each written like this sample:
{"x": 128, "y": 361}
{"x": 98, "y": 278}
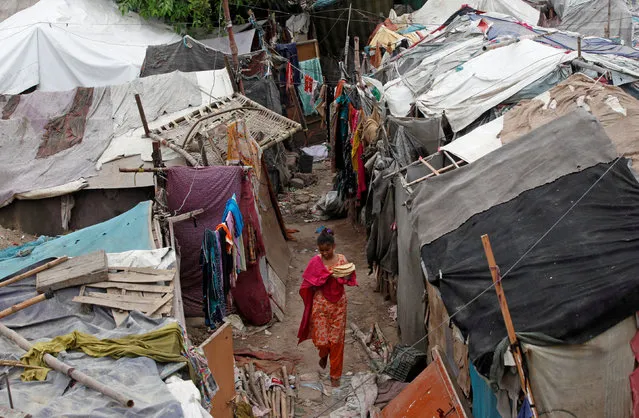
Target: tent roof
{"x": 62, "y": 44}
{"x": 36, "y": 160}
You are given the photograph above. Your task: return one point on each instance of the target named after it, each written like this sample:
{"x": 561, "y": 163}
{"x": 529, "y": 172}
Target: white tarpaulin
{"x": 63, "y": 44}
{"x": 487, "y": 80}
{"x": 243, "y": 40}
{"x": 435, "y": 12}
{"x": 481, "y": 141}
{"x": 400, "y": 93}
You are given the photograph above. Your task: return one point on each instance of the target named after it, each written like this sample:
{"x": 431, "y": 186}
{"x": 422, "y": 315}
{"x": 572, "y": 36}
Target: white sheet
{"x": 435, "y": 12}
{"x": 474, "y": 145}
{"x": 487, "y": 80}
{"x": 63, "y": 44}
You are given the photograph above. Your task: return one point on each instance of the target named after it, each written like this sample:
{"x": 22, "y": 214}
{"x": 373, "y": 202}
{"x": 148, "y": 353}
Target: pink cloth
{"x": 318, "y": 277}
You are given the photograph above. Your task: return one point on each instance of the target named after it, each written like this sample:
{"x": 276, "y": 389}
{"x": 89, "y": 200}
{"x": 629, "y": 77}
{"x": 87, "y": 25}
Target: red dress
{"x": 325, "y": 311}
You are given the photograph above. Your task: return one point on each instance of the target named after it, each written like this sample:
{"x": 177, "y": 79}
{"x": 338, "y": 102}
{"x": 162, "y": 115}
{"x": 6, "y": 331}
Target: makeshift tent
{"x": 578, "y": 254}
{"x": 53, "y": 142}
{"x": 617, "y": 111}
{"x": 435, "y": 12}
{"x": 402, "y": 92}
{"x": 59, "y": 45}
{"x": 590, "y": 17}
{"x": 479, "y": 85}
{"x": 10, "y": 7}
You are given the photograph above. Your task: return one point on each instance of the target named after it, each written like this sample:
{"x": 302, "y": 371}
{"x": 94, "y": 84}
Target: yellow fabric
{"x": 356, "y": 143}
{"x": 386, "y": 36}
{"x": 164, "y": 345}
{"x": 242, "y": 148}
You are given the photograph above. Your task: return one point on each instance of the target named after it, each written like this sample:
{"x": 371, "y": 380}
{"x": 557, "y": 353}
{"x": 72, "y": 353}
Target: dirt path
{"x": 365, "y": 306}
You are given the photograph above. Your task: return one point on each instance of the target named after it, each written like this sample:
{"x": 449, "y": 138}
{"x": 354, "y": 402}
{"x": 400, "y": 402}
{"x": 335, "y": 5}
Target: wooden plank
{"x": 132, "y": 298}
{"x": 119, "y": 315}
{"x": 76, "y": 271}
{"x": 185, "y": 216}
{"x": 141, "y": 270}
{"x": 155, "y": 308}
{"x": 117, "y": 304}
{"x": 133, "y": 277}
{"x": 178, "y": 304}
{"x": 218, "y": 349}
{"x": 149, "y": 288}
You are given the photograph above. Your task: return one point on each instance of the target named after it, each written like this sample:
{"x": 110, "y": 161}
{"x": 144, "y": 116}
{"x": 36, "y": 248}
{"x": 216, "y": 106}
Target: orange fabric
{"x": 328, "y": 330}
{"x": 328, "y": 327}
{"x": 228, "y": 238}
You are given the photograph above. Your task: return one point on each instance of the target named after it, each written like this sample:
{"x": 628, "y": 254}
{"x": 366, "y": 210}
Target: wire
{"x": 480, "y": 294}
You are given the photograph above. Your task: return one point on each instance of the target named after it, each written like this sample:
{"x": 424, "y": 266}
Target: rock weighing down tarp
{"x": 62, "y": 44}
{"x": 580, "y": 280}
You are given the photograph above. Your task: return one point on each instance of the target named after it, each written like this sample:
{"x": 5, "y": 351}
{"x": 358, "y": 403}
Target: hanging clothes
{"x": 212, "y": 279}
{"x": 233, "y": 207}
{"x": 357, "y": 161}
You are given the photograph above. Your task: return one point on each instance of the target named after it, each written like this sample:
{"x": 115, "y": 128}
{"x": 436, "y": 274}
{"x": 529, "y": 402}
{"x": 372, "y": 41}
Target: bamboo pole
{"x": 61, "y": 367}
{"x": 512, "y": 336}
{"x": 25, "y": 304}
{"x": 232, "y": 44}
{"x": 34, "y": 271}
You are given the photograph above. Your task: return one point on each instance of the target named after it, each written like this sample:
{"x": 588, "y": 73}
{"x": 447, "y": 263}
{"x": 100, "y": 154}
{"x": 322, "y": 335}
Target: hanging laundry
{"x": 242, "y": 148}
{"x": 308, "y": 84}
{"x": 212, "y": 280}
{"x": 233, "y": 207}
{"x": 289, "y": 75}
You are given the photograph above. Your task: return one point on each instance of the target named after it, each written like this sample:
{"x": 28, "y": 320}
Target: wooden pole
{"x": 512, "y": 336}
{"x": 609, "y": 13}
{"x": 430, "y": 167}
{"x": 61, "y": 367}
{"x": 348, "y": 24}
{"x": 25, "y": 304}
{"x": 147, "y": 132}
{"x": 358, "y": 68}
{"x": 579, "y": 46}
{"x": 34, "y": 271}
{"x": 232, "y": 44}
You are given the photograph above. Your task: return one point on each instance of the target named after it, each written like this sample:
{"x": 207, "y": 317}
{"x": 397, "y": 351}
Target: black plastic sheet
{"x": 580, "y": 280}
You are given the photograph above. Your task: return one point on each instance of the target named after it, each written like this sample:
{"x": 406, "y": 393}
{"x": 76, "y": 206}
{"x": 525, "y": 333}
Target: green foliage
{"x": 179, "y": 13}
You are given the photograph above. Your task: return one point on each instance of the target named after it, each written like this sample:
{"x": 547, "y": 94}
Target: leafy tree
{"x": 182, "y": 14}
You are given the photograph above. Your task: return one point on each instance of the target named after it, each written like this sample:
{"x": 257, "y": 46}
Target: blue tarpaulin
{"x": 484, "y": 400}
{"x": 128, "y": 231}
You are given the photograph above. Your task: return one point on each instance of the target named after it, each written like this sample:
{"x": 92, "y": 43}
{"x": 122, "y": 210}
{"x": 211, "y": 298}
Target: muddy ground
{"x": 365, "y": 306}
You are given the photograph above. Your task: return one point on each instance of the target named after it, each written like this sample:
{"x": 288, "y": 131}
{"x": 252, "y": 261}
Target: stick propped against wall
{"x": 514, "y": 342}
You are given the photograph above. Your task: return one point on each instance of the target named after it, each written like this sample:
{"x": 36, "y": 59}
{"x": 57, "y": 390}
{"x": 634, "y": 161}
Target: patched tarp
{"x": 243, "y": 40}
{"x": 185, "y": 55}
{"x": 617, "y": 111}
{"x": 566, "y": 145}
{"x": 129, "y": 231}
{"x": 580, "y": 280}
{"x": 478, "y": 85}
{"x": 53, "y": 139}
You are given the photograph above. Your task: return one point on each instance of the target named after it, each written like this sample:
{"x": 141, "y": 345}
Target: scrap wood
{"x": 76, "y": 271}
{"x": 34, "y": 271}
{"x": 149, "y": 288}
{"x": 267, "y": 366}
{"x": 268, "y": 355}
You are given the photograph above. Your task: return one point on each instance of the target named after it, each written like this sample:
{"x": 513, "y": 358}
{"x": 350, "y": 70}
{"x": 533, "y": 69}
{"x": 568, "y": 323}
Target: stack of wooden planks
{"x": 147, "y": 290}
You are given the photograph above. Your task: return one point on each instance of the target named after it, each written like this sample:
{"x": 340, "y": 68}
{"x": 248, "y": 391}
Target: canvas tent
{"x": 59, "y": 45}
